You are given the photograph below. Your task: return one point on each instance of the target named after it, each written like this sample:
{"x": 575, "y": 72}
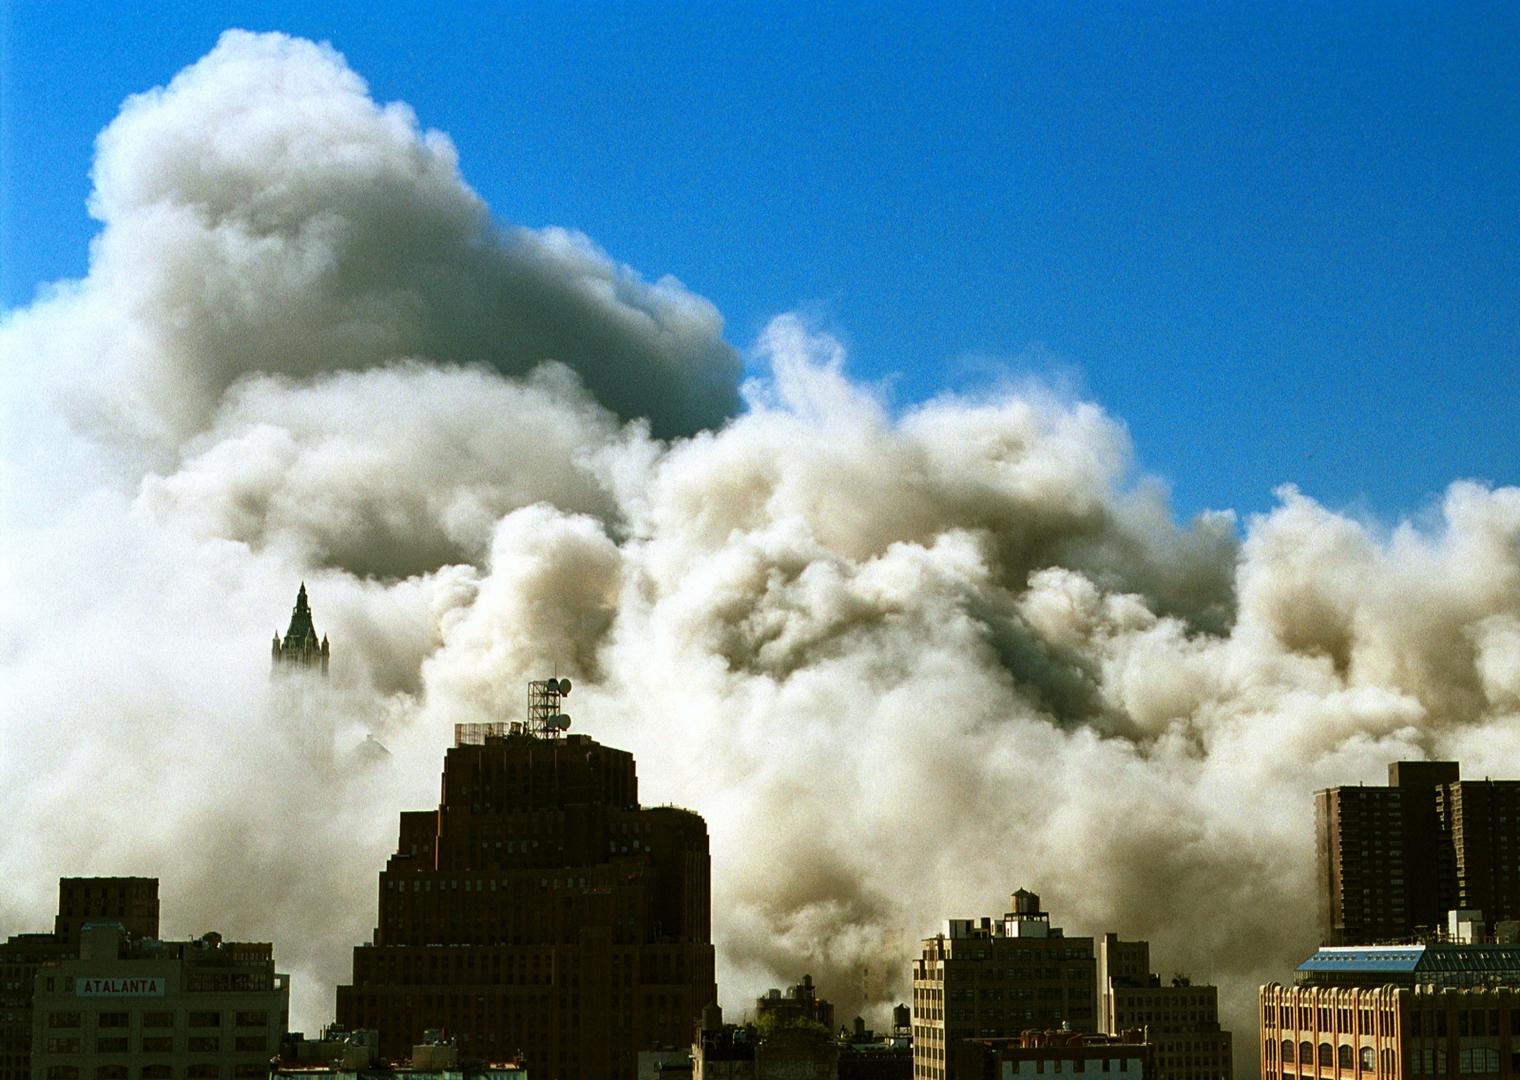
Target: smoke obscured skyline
{"x": 903, "y": 662}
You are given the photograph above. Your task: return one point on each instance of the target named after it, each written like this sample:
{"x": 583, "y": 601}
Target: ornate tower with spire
{"x": 300, "y": 649}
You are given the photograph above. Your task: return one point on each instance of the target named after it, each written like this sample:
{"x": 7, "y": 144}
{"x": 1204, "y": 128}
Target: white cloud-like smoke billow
{"x": 902, "y": 664}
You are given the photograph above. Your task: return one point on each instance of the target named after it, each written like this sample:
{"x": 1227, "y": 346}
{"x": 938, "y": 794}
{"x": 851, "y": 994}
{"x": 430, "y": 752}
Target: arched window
{"x": 1326, "y": 1055}
{"x": 1367, "y": 1059}
{"x": 1287, "y": 1050}
{"x": 1306, "y": 1053}
{"x": 1344, "y": 1058}
{"x": 110, "y": 1072}
{"x": 157, "y": 1072}
{"x": 1440, "y": 1069}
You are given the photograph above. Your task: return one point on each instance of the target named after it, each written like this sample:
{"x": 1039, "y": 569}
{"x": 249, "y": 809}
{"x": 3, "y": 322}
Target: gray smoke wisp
{"x": 902, "y": 662}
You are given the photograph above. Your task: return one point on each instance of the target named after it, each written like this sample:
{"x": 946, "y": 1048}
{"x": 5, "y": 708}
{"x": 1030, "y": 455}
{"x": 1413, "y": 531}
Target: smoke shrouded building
{"x": 540, "y": 909}
{"x": 1392, "y": 861}
{"x": 300, "y": 650}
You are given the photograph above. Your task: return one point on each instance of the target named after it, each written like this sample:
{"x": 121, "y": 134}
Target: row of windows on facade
{"x": 476, "y": 884}
{"x": 155, "y": 1072}
{"x": 461, "y": 1002}
{"x": 1157, "y": 1016}
{"x": 510, "y": 979}
{"x": 157, "y": 1044}
{"x": 1430, "y": 1061}
{"x": 196, "y": 1018}
{"x": 1367, "y": 1021}
{"x": 657, "y": 967}
{"x": 1058, "y": 992}
{"x": 1421, "y": 1021}
{"x": 1344, "y": 1057}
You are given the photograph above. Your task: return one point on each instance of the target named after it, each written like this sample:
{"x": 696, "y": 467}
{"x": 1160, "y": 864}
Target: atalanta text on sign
{"x": 146, "y": 987}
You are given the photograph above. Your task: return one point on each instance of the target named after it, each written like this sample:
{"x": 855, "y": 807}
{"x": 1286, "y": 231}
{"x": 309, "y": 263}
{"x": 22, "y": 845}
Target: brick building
{"x": 131, "y": 902}
{"x": 1395, "y": 1013}
{"x": 539, "y": 909}
{"x": 1392, "y": 861}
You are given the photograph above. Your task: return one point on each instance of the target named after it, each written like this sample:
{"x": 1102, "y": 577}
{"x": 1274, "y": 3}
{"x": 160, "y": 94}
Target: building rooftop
{"x": 1437, "y": 962}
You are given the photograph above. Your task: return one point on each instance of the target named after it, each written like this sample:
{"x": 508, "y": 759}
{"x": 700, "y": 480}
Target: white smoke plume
{"x": 903, "y": 664}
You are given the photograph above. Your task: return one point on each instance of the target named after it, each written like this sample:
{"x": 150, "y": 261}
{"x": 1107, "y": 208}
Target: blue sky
{"x": 1282, "y": 243}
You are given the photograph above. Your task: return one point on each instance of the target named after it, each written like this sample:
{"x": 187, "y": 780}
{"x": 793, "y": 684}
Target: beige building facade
{"x": 998, "y": 977}
{"x": 130, "y": 901}
{"x": 141, "y": 1009}
{"x": 1395, "y": 1013}
{"x": 1179, "y": 1019}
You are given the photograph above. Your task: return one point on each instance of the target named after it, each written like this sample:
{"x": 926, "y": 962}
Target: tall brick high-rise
{"x": 1392, "y": 861}
{"x": 539, "y": 909}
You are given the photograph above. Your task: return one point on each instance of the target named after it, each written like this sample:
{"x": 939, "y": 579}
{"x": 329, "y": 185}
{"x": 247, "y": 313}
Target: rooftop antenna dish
{"x": 545, "y": 720}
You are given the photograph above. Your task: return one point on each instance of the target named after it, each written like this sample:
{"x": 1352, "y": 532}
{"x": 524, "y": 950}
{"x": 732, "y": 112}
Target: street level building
{"x": 799, "y": 1003}
{"x": 1180, "y": 1019}
{"x": 867, "y": 1055}
{"x": 722, "y": 1051}
{"x": 1049, "y": 1054}
{"x": 130, "y": 901}
{"x": 132, "y": 1008}
{"x": 998, "y": 977}
{"x": 1395, "y": 1013}
{"x": 539, "y": 914}
{"x": 1391, "y": 861}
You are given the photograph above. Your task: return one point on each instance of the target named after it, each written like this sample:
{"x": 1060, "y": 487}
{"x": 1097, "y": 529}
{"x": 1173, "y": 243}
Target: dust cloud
{"x": 903, "y": 661}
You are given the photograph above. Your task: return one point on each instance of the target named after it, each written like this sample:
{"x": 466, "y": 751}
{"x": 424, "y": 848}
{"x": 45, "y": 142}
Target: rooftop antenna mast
{"x": 545, "y": 720}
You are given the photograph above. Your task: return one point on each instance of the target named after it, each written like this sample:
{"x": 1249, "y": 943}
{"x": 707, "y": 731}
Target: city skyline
{"x": 899, "y": 650}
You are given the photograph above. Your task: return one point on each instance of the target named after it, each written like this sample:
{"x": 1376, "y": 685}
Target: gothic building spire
{"x": 301, "y": 647}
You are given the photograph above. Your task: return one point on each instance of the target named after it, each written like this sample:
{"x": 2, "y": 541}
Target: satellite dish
{"x": 562, "y": 721}
{"x": 564, "y": 686}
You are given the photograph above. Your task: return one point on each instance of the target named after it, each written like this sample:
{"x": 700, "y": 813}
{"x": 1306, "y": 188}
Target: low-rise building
{"x": 799, "y": 1003}
{"x": 140, "y": 1008}
{"x": 866, "y": 1055}
{"x": 722, "y": 1051}
{"x": 1395, "y": 1012}
{"x": 130, "y": 901}
{"x": 1048, "y": 1054}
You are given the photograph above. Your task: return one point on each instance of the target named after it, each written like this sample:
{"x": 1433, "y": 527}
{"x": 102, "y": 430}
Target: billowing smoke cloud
{"x": 902, "y": 664}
